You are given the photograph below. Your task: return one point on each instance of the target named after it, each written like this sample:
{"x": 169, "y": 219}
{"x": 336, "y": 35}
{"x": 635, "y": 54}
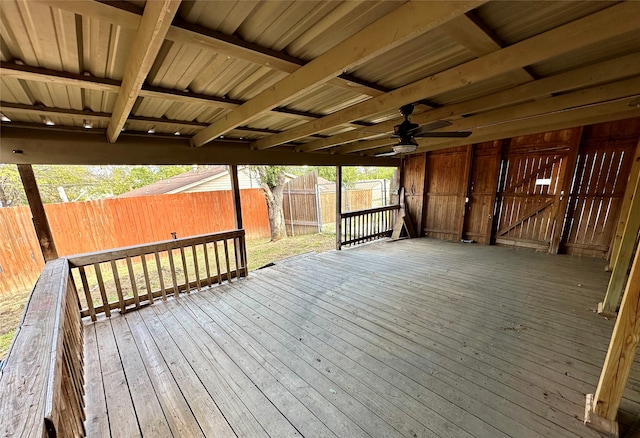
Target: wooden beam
{"x": 361, "y": 146}
{"x": 620, "y": 357}
{"x": 556, "y": 42}
{"x": 38, "y": 74}
{"x": 235, "y": 190}
{"x": 634, "y": 174}
{"x": 536, "y": 125}
{"x": 562, "y": 191}
{"x": 561, "y": 112}
{"x": 615, "y": 69}
{"x": 406, "y": 22}
{"x": 623, "y": 259}
{"x": 192, "y": 34}
{"x": 154, "y": 25}
{"x": 469, "y": 32}
{"x": 12, "y": 108}
{"x": 338, "y": 208}
{"x": 39, "y": 216}
{"x": 39, "y": 146}
{"x": 183, "y": 32}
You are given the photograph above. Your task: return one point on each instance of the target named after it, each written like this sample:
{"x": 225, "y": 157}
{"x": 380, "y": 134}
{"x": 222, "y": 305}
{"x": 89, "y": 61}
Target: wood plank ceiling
{"x": 310, "y": 82}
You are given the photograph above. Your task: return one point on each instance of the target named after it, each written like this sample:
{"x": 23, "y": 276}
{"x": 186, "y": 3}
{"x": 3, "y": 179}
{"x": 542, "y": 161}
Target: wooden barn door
{"x": 446, "y": 182}
{"x": 413, "y": 183}
{"x": 598, "y": 187}
{"x": 529, "y": 191}
{"x": 479, "y": 215}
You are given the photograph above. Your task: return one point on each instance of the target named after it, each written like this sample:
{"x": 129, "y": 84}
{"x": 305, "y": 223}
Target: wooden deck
{"x": 417, "y": 338}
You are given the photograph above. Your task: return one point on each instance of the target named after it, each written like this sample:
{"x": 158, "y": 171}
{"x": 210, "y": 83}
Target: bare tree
{"x": 272, "y": 180}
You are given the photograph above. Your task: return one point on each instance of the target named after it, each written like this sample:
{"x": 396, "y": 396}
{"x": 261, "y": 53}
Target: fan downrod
{"x": 406, "y": 110}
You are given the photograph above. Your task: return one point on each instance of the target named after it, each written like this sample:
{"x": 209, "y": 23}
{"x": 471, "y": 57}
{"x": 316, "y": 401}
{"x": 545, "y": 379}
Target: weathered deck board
{"x": 416, "y": 338}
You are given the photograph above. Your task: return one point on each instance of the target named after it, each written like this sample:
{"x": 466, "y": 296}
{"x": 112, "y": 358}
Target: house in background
{"x": 200, "y": 179}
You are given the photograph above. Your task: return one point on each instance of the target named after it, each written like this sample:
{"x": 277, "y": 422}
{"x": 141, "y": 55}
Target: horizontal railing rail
{"x": 123, "y": 279}
{"x": 42, "y": 377}
{"x": 366, "y": 225}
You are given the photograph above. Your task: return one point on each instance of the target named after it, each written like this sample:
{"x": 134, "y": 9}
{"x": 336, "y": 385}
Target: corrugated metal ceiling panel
{"x": 303, "y": 29}
{"x": 325, "y": 99}
{"x": 514, "y": 21}
{"x": 431, "y": 53}
{"x": 610, "y": 49}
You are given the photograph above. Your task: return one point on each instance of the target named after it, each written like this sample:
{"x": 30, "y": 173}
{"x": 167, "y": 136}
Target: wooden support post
{"x": 602, "y": 408}
{"x": 237, "y": 209}
{"x": 338, "y": 207}
{"x": 562, "y": 192}
{"x": 634, "y": 175}
{"x": 235, "y": 189}
{"x": 40, "y": 223}
{"x": 623, "y": 259}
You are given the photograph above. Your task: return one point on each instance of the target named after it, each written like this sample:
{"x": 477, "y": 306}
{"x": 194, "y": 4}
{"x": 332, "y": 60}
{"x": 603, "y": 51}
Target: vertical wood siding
{"x": 112, "y": 223}
{"x": 577, "y": 209}
{"x": 482, "y": 191}
{"x": 602, "y": 171}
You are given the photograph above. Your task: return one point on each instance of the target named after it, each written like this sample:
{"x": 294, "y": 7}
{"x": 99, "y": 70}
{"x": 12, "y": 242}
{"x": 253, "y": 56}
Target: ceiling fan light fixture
{"x": 406, "y": 146}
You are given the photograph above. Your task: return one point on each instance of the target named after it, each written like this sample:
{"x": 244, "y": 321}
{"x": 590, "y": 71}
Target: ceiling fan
{"x": 407, "y": 132}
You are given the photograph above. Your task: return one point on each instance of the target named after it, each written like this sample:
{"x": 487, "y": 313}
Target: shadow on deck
{"x": 411, "y": 338}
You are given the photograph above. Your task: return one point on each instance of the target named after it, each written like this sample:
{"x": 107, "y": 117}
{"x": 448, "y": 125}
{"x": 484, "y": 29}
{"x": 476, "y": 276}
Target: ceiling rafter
{"x": 37, "y": 74}
{"x": 607, "y": 71}
{"x": 406, "y": 22}
{"x": 193, "y": 34}
{"x": 128, "y": 15}
{"x": 8, "y": 107}
{"x": 571, "y": 118}
{"x": 580, "y": 33}
{"x": 470, "y": 32}
{"x": 154, "y": 25}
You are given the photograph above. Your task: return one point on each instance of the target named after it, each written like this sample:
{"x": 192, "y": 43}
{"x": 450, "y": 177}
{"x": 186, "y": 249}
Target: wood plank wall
{"x": 537, "y": 190}
{"x": 81, "y": 227}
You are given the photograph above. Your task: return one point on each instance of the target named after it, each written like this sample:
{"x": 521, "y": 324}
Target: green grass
{"x": 5, "y": 342}
{"x": 260, "y": 252}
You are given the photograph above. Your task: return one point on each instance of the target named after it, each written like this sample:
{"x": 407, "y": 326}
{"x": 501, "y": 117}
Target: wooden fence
{"x": 82, "y": 227}
{"x": 352, "y": 200}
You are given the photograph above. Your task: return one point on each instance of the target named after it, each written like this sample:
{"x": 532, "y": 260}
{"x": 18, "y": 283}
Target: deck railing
{"x": 42, "y": 378}
{"x": 132, "y": 277}
{"x": 365, "y": 225}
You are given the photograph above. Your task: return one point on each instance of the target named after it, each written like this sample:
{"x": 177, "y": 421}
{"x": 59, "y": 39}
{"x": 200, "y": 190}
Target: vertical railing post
{"x": 318, "y": 208}
{"x": 338, "y": 207}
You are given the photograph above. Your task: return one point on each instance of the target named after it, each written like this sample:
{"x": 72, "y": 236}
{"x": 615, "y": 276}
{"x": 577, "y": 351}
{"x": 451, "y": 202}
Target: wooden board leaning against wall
{"x": 558, "y": 191}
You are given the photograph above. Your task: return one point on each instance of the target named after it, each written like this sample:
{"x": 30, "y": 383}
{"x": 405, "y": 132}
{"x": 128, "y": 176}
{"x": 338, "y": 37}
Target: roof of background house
{"x": 175, "y": 182}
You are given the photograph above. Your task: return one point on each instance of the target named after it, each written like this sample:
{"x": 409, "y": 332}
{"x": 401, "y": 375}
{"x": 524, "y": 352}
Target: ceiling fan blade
{"x": 386, "y": 154}
{"x": 444, "y": 134}
{"x": 432, "y": 126}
